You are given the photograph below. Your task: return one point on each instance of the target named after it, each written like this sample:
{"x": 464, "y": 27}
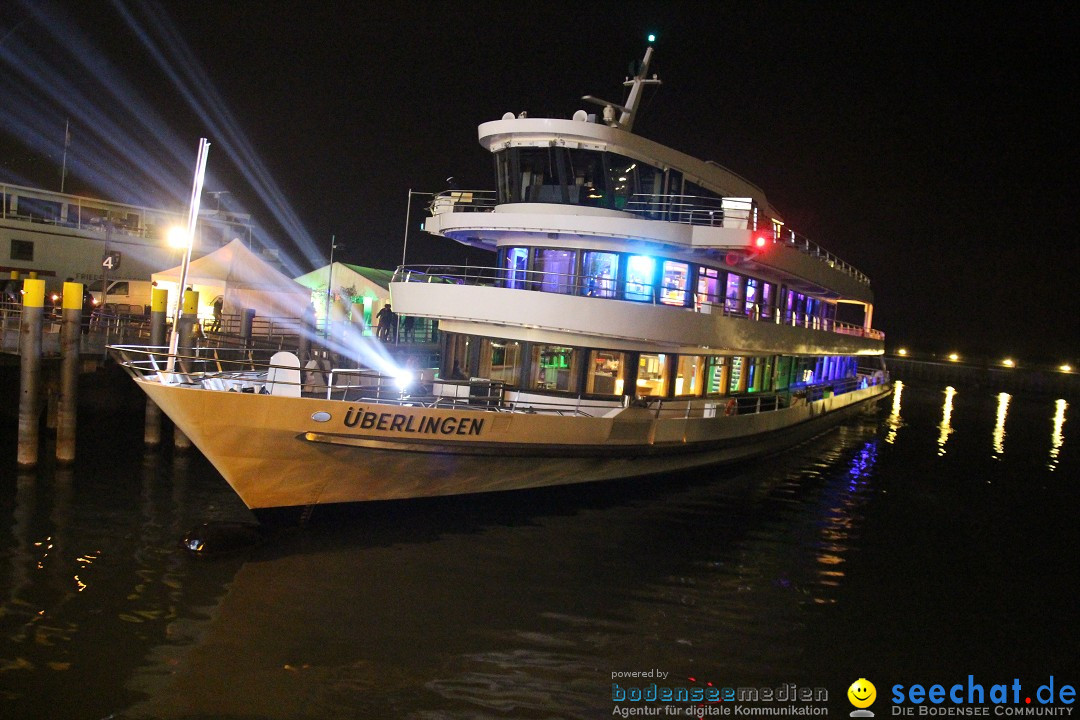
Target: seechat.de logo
{"x": 862, "y": 695}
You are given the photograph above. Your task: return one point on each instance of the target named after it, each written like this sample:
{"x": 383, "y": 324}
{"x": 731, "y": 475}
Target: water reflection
{"x": 945, "y": 428}
{"x": 999, "y": 425}
{"x": 893, "y": 422}
{"x": 1057, "y": 438}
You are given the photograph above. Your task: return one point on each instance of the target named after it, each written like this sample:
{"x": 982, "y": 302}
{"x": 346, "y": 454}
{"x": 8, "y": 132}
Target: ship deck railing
{"x": 677, "y": 208}
{"x": 254, "y": 371}
{"x": 673, "y": 295}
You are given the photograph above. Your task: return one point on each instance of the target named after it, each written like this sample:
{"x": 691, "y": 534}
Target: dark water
{"x": 932, "y": 539}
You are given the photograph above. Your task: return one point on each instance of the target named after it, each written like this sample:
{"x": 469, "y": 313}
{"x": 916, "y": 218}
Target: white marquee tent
{"x": 244, "y": 279}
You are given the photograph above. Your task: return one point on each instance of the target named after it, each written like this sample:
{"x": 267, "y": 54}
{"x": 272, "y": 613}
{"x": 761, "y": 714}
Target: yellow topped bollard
{"x": 191, "y": 302}
{"x": 66, "y": 411}
{"x": 33, "y": 293}
{"x": 73, "y": 296}
{"x": 159, "y": 300}
{"x": 30, "y": 371}
{"x": 14, "y": 275}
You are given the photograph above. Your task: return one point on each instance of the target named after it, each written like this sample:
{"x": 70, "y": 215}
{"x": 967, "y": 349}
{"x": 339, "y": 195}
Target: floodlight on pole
{"x": 193, "y": 216}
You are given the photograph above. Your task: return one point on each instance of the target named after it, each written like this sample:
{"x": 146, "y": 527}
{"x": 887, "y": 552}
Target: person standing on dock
{"x": 215, "y": 325}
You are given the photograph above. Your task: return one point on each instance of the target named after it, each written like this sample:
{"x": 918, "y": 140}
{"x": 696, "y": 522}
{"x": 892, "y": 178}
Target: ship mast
{"x": 627, "y": 112}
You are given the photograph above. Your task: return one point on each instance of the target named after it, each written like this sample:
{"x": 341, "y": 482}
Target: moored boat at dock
{"x": 645, "y": 312}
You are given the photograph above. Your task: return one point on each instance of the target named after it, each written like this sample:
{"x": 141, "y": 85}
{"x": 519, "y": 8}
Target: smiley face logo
{"x": 862, "y": 693}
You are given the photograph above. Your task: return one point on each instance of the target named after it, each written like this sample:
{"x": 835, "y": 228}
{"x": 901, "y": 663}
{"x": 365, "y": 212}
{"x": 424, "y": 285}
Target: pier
{"x": 54, "y": 347}
{"x": 1034, "y": 380}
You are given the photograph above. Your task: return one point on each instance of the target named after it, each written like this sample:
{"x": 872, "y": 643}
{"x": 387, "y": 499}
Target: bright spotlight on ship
{"x": 404, "y": 379}
{"x": 177, "y": 237}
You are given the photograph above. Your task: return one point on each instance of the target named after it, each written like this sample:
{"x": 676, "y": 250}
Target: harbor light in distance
{"x": 1008, "y": 362}
{"x": 902, "y": 352}
{"x": 953, "y": 357}
{"x": 1065, "y": 368}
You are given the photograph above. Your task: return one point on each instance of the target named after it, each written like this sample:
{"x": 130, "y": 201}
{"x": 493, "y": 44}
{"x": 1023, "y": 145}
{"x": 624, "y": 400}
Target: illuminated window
{"x": 554, "y": 368}
{"x": 736, "y": 379}
{"x": 652, "y": 375}
{"x": 673, "y": 284}
{"x": 716, "y": 375}
{"x": 516, "y": 265}
{"x": 556, "y": 270}
{"x": 708, "y": 289}
{"x": 734, "y": 293}
{"x": 599, "y": 270}
{"x": 501, "y": 360}
{"x": 606, "y": 373}
{"x": 640, "y": 271}
{"x": 689, "y": 375}
{"x": 752, "y": 296}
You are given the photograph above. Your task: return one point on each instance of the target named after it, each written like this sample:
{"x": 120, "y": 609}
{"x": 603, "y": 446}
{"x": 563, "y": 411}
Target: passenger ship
{"x": 646, "y": 312}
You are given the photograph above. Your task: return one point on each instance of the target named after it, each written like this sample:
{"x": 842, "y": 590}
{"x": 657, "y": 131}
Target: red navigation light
{"x": 759, "y": 242}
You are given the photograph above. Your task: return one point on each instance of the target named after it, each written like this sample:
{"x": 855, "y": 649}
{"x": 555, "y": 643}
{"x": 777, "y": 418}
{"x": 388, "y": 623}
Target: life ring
{"x": 732, "y": 407}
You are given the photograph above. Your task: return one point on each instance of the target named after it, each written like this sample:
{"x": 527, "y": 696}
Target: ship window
{"x": 640, "y": 271}
{"x": 555, "y": 270}
{"x": 734, "y": 294}
{"x": 600, "y": 271}
{"x": 500, "y": 360}
{"x": 585, "y": 173}
{"x": 674, "y": 283}
{"x": 652, "y": 375}
{"x": 622, "y": 180}
{"x": 606, "y": 372}
{"x": 554, "y": 368}
{"x": 766, "y": 300}
{"x": 752, "y": 297}
{"x": 22, "y": 250}
{"x": 716, "y": 375}
{"x": 736, "y": 380}
{"x": 516, "y": 264}
{"x": 708, "y": 289}
{"x": 689, "y": 375}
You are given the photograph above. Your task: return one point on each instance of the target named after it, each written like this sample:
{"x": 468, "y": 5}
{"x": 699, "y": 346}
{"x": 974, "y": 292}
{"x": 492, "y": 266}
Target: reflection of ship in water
{"x": 457, "y": 607}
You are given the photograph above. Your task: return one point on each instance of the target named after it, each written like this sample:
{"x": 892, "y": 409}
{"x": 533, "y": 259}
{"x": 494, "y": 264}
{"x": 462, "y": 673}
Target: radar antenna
{"x": 627, "y": 112}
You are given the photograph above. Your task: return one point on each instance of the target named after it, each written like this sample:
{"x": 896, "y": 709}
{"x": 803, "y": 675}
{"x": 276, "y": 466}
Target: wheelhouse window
{"x": 554, "y": 368}
{"x": 674, "y": 281}
{"x": 516, "y": 264}
{"x": 555, "y": 270}
{"x": 640, "y": 271}
{"x": 600, "y": 271}
{"x": 606, "y": 373}
{"x": 652, "y": 375}
{"x": 689, "y": 376}
{"x": 734, "y": 296}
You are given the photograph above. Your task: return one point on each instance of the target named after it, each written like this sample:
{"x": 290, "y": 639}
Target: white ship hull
{"x": 274, "y": 454}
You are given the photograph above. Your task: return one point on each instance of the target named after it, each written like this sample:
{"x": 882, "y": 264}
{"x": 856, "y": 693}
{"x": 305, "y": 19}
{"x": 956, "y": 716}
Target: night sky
{"x": 931, "y": 147}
